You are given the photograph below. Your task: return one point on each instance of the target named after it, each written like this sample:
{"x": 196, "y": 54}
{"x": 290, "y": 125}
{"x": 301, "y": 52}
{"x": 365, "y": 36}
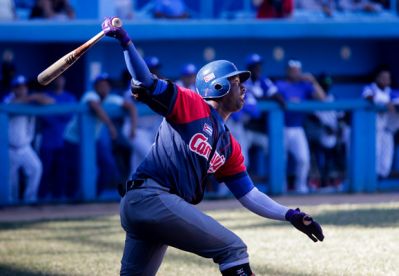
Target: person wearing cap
{"x": 187, "y": 76}
{"x": 21, "y": 132}
{"x": 154, "y": 65}
{"x": 379, "y": 92}
{"x": 298, "y": 87}
{"x": 193, "y": 146}
{"x": 95, "y": 99}
{"x": 258, "y": 88}
{"x": 52, "y": 151}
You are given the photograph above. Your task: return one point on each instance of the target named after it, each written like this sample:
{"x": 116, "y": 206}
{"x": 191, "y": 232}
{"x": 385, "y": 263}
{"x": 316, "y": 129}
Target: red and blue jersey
{"x": 192, "y": 145}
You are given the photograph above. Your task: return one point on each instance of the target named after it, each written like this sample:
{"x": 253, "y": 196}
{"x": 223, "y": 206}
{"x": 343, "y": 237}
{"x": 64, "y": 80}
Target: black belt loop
{"x": 133, "y": 184}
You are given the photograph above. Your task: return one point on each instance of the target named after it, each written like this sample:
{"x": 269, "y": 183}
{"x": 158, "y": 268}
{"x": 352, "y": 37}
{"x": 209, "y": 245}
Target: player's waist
{"x": 145, "y": 183}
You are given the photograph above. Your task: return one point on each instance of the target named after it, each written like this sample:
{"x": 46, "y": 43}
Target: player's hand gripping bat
{"x": 58, "y": 67}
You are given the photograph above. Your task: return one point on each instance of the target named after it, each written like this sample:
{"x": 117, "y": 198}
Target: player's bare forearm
{"x": 40, "y": 99}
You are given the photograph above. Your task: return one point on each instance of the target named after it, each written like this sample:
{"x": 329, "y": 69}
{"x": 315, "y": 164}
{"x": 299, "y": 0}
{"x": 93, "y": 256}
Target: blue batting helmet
{"x": 212, "y": 79}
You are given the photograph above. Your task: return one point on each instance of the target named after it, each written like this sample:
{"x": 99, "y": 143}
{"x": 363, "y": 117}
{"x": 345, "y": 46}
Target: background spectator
{"x": 52, "y": 9}
{"x": 95, "y": 99}
{"x": 296, "y": 88}
{"x": 21, "y": 132}
{"x": 170, "y": 9}
{"x": 52, "y": 152}
{"x": 316, "y": 6}
{"x": 146, "y": 128}
{"x": 326, "y": 140}
{"x": 7, "y": 10}
{"x": 187, "y": 76}
{"x": 258, "y": 88}
{"x": 154, "y": 65}
{"x": 379, "y": 92}
{"x": 274, "y": 8}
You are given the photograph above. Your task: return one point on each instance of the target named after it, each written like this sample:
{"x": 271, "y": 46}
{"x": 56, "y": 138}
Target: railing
{"x": 361, "y": 175}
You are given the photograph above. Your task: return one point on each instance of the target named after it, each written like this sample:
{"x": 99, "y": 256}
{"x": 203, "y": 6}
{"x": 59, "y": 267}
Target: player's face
{"x": 103, "y": 88}
{"x": 256, "y": 70}
{"x": 234, "y": 100}
{"x": 188, "y": 80}
{"x": 20, "y": 91}
{"x": 384, "y": 79}
{"x": 294, "y": 73}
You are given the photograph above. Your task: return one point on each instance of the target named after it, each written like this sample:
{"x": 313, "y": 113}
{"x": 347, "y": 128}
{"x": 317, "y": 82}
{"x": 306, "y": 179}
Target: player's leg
{"x": 300, "y": 151}
{"x": 33, "y": 169}
{"x": 141, "y": 257}
{"x": 166, "y": 217}
{"x": 386, "y": 153}
{"x": 15, "y": 163}
{"x": 47, "y": 158}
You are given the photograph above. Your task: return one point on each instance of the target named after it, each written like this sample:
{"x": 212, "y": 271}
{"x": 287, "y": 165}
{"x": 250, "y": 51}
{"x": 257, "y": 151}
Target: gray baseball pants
{"x": 154, "y": 219}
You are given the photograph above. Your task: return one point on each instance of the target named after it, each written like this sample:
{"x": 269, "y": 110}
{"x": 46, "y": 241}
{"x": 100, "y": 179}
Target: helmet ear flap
{"x": 221, "y": 86}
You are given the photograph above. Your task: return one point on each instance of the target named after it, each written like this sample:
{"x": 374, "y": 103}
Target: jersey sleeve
{"x": 114, "y": 99}
{"x": 188, "y": 106}
{"x": 367, "y": 92}
{"x": 269, "y": 87}
{"x": 234, "y": 166}
{"x": 90, "y": 96}
{"x": 310, "y": 90}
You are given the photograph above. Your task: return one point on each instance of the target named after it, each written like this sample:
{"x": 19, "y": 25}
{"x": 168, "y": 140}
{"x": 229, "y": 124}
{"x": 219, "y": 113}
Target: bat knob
{"x": 116, "y": 22}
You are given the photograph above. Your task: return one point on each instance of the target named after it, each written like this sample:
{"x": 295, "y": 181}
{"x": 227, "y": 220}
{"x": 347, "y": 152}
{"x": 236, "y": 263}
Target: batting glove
{"x": 305, "y": 224}
{"x": 115, "y": 32}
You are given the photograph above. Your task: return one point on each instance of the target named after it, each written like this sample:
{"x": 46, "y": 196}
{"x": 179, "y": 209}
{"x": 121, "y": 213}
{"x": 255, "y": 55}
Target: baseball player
{"x": 187, "y": 76}
{"x": 94, "y": 99}
{"x": 379, "y": 92}
{"x": 21, "y": 132}
{"x": 296, "y": 88}
{"x": 52, "y": 152}
{"x": 192, "y": 145}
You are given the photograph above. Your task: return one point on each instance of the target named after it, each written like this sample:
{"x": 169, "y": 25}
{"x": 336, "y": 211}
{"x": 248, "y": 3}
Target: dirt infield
{"x": 70, "y": 211}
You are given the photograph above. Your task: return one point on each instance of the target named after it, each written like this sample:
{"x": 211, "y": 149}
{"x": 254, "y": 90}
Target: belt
{"x": 147, "y": 183}
{"x": 134, "y": 184}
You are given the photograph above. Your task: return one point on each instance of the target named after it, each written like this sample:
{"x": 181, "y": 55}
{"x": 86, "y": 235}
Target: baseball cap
{"x": 189, "y": 69}
{"x": 18, "y": 80}
{"x": 152, "y": 62}
{"x": 101, "y": 77}
{"x": 294, "y": 63}
{"x": 254, "y": 59}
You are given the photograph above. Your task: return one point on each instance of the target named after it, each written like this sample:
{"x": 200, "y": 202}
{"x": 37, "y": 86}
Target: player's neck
{"x": 219, "y": 108}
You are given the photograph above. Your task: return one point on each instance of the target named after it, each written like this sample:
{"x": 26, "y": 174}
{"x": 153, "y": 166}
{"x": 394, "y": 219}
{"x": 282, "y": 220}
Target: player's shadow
{"x": 265, "y": 269}
{"x": 17, "y": 271}
{"x": 368, "y": 218}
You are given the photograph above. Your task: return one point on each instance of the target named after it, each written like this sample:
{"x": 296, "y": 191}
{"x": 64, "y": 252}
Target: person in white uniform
{"x": 379, "y": 93}
{"x": 21, "y": 133}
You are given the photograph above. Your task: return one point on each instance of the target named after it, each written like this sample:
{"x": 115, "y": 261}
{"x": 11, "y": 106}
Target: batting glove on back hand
{"x": 305, "y": 224}
{"x": 115, "y": 32}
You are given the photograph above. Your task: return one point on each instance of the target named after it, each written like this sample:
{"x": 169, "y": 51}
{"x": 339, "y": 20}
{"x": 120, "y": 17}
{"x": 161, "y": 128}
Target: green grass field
{"x": 360, "y": 240}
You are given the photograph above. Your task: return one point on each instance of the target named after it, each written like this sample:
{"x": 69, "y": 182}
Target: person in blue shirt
{"x": 52, "y": 152}
{"x": 170, "y": 9}
{"x": 298, "y": 87}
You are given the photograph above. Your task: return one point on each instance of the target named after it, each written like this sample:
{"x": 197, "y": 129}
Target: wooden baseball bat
{"x": 58, "y": 67}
